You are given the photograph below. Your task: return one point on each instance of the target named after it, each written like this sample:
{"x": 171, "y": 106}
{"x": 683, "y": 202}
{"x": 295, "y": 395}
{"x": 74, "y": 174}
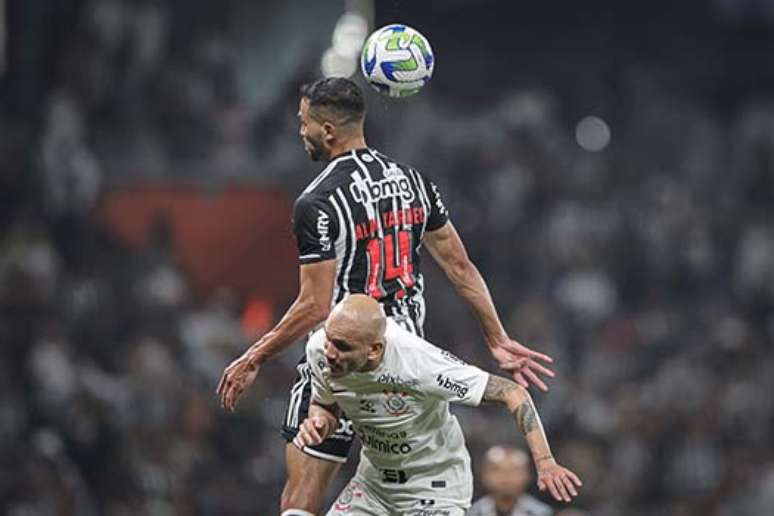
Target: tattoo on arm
{"x": 496, "y": 388}
{"x": 525, "y": 416}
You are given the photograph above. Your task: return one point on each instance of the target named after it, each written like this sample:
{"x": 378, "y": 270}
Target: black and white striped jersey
{"x": 370, "y": 213}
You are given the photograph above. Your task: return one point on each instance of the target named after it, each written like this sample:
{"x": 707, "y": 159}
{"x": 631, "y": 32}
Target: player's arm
{"x": 446, "y": 247}
{"x": 560, "y": 481}
{"x": 318, "y": 426}
{"x": 315, "y": 228}
{"x": 310, "y": 308}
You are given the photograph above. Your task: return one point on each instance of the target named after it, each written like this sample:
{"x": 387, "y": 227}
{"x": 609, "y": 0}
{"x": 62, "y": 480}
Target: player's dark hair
{"x": 341, "y": 98}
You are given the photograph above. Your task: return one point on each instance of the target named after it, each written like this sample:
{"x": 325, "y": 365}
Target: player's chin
{"x": 314, "y": 154}
{"x": 336, "y": 371}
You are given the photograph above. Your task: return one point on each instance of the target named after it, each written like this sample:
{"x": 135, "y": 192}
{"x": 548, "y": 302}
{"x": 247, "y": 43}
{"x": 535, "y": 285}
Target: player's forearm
{"x": 519, "y": 403}
{"x": 301, "y": 318}
{"x": 472, "y": 287}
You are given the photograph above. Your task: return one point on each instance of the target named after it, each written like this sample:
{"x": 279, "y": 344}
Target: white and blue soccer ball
{"x": 397, "y": 60}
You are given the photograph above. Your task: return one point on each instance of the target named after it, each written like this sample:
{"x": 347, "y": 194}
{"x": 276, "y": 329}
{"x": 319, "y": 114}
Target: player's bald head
{"x": 358, "y": 318}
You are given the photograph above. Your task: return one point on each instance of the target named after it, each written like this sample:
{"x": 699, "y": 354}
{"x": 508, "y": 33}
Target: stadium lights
{"x": 592, "y": 134}
{"x": 341, "y": 58}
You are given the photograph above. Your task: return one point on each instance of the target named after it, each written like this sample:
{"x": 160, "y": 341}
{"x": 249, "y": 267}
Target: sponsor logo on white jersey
{"x": 396, "y": 379}
{"x": 455, "y": 386}
{"x": 451, "y": 357}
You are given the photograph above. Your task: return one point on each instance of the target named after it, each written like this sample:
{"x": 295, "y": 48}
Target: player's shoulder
{"x": 401, "y": 338}
{"x": 416, "y": 348}
{"x": 528, "y": 504}
{"x": 391, "y": 162}
{"x": 335, "y": 174}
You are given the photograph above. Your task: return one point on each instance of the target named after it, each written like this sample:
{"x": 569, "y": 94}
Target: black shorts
{"x": 336, "y": 447}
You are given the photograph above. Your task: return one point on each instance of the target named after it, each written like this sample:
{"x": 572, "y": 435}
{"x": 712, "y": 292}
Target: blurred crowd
{"x": 646, "y": 270}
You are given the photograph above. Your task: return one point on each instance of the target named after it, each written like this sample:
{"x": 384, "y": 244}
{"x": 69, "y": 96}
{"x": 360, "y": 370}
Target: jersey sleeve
{"x": 321, "y": 391}
{"x": 438, "y": 215}
{"x": 449, "y": 378}
{"x": 316, "y": 229}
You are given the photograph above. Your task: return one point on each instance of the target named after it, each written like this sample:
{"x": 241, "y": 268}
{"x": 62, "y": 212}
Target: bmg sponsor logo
{"x": 367, "y": 191}
{"x": 457, "y": 387}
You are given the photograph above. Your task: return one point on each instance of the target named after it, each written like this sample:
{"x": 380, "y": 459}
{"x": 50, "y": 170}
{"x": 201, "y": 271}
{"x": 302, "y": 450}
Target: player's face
{"x": 311, "y": 132}
{"x": 344, "y": 356}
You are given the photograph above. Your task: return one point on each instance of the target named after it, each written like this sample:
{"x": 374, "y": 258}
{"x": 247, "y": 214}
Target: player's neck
{"x": 350, "y": 144}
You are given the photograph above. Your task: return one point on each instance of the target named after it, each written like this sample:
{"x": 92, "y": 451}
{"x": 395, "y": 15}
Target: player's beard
{"x": 315, "y": 149}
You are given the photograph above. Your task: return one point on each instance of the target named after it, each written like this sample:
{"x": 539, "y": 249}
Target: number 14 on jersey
{"x": 396, "y": 267}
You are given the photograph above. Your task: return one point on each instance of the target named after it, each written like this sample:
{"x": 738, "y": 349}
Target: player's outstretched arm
{"x": 449, "y": 252}
{"x": 560, "y": 481}
{"x": 318, "y": 426}
{"x": 310, "y": 308}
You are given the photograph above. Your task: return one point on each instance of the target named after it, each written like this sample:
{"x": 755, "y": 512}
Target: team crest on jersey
{"x": 347, "y": 496}
{"x": 395, "y": 404}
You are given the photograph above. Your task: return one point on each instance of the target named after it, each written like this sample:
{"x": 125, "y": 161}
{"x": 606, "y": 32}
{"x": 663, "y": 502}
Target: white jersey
{"x": 413, "y": 448}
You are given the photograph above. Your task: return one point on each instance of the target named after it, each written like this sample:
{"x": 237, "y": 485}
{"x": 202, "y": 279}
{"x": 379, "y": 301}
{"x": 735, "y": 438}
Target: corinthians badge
{"x": 396, "y": 404}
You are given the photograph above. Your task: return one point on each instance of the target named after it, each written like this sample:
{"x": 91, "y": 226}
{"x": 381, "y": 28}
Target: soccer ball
{"x": 397, "y": 60}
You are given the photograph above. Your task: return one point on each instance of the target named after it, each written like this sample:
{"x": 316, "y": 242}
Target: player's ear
{"x": 328, "y": 132}
{"x": 375, "y": 350}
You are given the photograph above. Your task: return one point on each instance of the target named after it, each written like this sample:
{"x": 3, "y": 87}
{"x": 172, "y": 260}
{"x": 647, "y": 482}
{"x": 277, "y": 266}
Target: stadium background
{"x": 148, "y": 158}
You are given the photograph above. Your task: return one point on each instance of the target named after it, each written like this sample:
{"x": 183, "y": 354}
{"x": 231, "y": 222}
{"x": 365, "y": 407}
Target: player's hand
{"x": 237, "y": 377}
{"x": 312, "y": 431}
{"x": 560, "y": 482}
{"x": 521, "y": 362}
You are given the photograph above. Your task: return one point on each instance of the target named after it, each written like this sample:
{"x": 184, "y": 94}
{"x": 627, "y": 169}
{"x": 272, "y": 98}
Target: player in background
{"x": 505, "y": 474}
{"x": 359, "y": 226}
{"x": 396, "y": 388}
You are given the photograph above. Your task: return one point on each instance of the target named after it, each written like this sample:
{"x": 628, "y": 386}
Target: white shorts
{"x": 356, "y": 499}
